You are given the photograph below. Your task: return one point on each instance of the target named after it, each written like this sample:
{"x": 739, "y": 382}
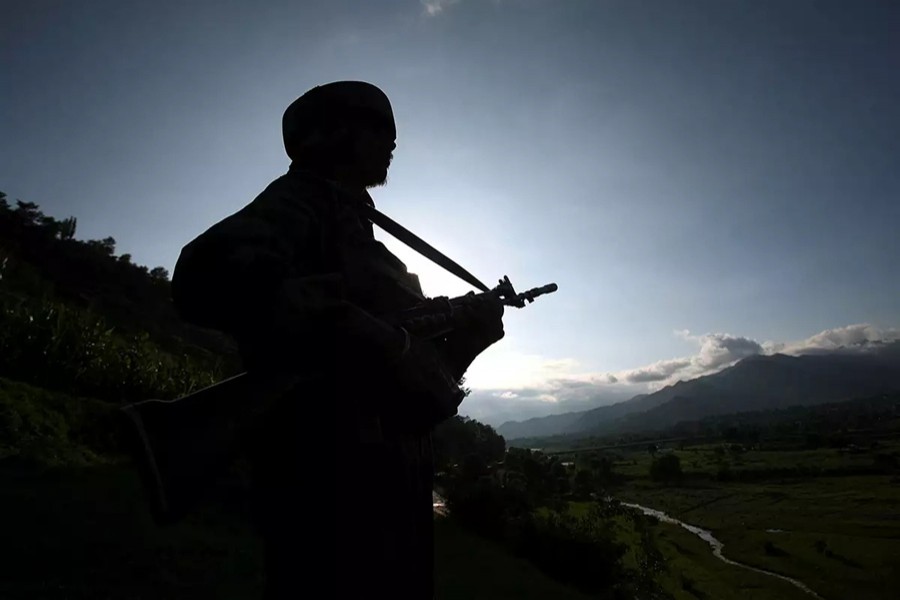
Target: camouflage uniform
{"x": 344, "y": 468}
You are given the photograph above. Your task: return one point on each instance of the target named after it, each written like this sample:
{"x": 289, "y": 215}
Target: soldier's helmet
{"x": 324, "y": 106}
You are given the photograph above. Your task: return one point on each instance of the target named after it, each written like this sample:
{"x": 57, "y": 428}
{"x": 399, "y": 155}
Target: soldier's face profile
{"x": 373, "y": 148}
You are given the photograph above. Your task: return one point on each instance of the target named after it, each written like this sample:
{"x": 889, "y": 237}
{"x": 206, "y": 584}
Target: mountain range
{"x": 760, "y": 382}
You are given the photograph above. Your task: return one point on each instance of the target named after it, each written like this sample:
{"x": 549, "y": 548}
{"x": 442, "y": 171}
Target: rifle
{"x": 181, "y": 447}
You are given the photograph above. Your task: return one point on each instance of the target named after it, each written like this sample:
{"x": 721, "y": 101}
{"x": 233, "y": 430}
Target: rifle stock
{"x": 180, "y": 447}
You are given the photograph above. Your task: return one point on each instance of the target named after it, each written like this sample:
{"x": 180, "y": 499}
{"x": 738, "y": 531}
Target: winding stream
{"x": 716, "y": 545}
{"x": 703, "y": 534}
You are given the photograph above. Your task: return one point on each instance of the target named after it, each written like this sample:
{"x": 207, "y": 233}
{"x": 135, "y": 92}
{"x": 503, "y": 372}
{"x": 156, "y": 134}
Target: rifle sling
{"x": 419, "y": 245}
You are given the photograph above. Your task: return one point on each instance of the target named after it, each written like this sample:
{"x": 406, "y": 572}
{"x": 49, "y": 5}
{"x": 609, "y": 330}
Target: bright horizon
{"x": 704, "y": 182}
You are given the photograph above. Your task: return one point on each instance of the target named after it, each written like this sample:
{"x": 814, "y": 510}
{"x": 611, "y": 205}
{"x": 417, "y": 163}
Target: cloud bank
{"x": 556, "y": 388}
{"x": 716, "y": 351}
{"x": 849, "y": 338}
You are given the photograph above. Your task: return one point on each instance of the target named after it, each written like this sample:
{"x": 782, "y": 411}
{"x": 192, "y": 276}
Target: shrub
{"x": 666, "y": 469}
{"x": 62, "y": 348}
{"x": 46, "y": 428}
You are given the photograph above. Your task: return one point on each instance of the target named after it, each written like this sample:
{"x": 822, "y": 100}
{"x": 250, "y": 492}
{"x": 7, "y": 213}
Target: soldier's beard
{"x": 363, "y": 168}
{"x": 377, "y": 180}
{"x": 375, "y": 175}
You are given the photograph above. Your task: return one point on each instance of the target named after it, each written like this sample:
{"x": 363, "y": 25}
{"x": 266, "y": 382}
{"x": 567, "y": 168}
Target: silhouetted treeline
{"x": 86, "y": 330}
{"x": 459, "y": 438}
{"x": 41, "y": 259}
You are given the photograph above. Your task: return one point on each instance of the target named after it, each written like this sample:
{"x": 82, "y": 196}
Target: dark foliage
{"x": 41, "y": 259}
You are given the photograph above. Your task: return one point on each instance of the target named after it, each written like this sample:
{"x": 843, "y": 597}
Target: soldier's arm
{"x": 481, "y": 326}
{"x": 243, "y": 276}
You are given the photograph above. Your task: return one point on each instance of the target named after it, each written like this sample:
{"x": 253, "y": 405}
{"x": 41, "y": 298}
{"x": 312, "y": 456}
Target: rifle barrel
{"x": 519, "y": 299}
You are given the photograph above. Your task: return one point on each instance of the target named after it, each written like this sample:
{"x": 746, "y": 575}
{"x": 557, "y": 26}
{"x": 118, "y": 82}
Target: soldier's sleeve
{"x": 243, "y": 276}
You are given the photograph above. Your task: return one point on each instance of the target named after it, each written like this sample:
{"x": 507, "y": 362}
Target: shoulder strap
{"x": 418, "y": 244}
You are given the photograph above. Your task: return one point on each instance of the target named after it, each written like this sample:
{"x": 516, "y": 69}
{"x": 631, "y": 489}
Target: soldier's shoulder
{"x": 290, "y": 204}
{"x": 296, "y": 193}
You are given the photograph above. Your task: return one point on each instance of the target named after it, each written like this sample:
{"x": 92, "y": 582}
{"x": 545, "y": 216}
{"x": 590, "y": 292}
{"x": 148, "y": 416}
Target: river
{"x": 704, "y": 534}
{"x": 717, "y": 546}
{"x": 438, "y": 504}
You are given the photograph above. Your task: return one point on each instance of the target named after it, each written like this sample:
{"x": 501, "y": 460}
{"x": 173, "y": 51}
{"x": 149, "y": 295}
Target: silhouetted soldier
{"x": 343, "y": 471}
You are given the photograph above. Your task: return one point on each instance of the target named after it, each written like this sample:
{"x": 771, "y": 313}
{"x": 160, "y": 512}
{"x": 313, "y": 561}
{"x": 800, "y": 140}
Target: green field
{"x": 840, "y": 535}
{"x": 79, "y": 534}
{"x": 693, "y": 572}
{"x": 703, "y": 460}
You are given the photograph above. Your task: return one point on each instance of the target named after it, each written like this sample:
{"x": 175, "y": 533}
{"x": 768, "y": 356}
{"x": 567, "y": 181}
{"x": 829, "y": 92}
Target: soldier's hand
{"x": 478, "y": 327}
{"x": 482, "y": 319}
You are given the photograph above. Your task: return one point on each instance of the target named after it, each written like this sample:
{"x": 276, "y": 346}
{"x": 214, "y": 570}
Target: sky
{"x": 704, "y": 180}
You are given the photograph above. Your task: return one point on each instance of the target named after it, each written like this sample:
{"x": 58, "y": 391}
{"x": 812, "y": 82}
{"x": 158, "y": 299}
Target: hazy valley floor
{"x": 838, "y": 534}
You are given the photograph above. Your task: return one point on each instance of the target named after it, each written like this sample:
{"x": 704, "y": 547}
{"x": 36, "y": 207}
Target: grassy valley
{"x": 800, "y": 493}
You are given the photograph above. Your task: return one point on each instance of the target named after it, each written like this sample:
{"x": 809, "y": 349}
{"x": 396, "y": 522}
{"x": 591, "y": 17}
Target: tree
{"x": 583, "y": 484}
{"x": 109, "y": 243}
{"x": 458, "y": 437}
{"x": 50, "y": 226}
{"x": 666, "y": 469}
{"x": 106, "y": 246}
{"x": 28, "y": 212}
{"x": 67, "y": 228}
{"x": 159, "y": 273}
{"x": 602, "y": 469}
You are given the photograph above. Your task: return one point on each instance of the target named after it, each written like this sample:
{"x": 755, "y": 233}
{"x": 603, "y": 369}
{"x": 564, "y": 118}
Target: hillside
{"x": 42, "y": 261}
{"x": 538, "y": 426}
{"x": 755, "y": 383}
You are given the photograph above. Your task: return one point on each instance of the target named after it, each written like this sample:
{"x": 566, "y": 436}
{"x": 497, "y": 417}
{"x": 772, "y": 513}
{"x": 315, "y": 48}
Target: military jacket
{"x": 295, "y": 277}
{"x": 296, "y": 269}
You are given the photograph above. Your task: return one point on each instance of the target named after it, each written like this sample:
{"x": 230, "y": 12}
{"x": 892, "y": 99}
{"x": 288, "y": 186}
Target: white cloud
{"x": 433, "y": 8}
{"x": 716, "y": 351}
{"x": 850, "y": 337}
{"x": 720, "y": 349}
{"x": 501, "y": 368}
{"x": 513, "y": 386}
{"x": 685, "y": 334}
{"x": 497, "y": 406}
{"x": 658, "y": 371}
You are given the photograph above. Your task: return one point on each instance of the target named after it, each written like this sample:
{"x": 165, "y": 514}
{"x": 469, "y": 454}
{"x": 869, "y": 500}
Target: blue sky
{"x": 704, "y": 180}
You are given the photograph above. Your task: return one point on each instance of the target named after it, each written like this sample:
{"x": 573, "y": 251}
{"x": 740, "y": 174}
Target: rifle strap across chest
{"x": 419, "y": 245}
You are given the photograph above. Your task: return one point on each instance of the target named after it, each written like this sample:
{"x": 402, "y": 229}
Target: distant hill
{"x": 755, "y": 383}
{"x": 573, "y": 422}
{"x": 543, "y": 426}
